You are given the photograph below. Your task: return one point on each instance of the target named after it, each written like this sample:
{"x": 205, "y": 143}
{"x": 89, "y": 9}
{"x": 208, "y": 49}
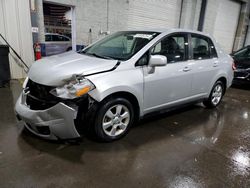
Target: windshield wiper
{"x": 100, "y": 56}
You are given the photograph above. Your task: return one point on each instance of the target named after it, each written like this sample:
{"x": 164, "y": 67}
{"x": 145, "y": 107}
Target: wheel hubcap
{"x": 217, "y": 94}
{"x": 116, "y": 120}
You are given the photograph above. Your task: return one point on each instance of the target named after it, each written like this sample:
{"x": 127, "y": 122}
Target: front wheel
{"x": 113, "y": 119}
{"x": 216, "y": 95}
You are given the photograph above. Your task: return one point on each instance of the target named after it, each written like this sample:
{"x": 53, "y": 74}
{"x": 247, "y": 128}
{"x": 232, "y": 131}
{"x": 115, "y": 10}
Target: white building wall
{"x": 97, "y": 15}
{"x": 15, "y": 26}
{"x": 114, "y": 15}
{"x": 118, "y": 15}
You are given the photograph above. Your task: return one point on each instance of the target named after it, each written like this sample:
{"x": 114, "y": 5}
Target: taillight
{"x": 233, "y": 66}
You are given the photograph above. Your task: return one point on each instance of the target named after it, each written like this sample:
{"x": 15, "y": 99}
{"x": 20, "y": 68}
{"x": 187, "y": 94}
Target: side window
{"x": 57, "y": 38}
{"x": 65, "y": 39}
{"x": 143, "y": 60}
{"x": 203, "y": 48}
{"x": 173, "y": 47}
{"x": 47, "y": 38}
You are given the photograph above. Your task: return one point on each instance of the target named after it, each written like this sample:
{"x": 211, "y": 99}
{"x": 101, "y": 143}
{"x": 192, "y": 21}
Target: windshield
{"x": 121, "y": 45}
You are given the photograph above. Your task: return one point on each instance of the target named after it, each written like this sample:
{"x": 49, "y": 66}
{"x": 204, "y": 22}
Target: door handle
{"x": 215, "y": 64}
{"x": 186, "y": 69}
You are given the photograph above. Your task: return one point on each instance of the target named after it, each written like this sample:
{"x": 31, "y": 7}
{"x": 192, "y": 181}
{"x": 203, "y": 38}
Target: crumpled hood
{"x": 53, "y": 70}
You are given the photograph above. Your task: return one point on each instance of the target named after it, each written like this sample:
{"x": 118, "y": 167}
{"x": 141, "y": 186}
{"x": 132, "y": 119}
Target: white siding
{"x": 190, "y": 14}
{"x": 15, "y": 26}
{"x": 221, "y": 21}
{"x": 154, "y": 14}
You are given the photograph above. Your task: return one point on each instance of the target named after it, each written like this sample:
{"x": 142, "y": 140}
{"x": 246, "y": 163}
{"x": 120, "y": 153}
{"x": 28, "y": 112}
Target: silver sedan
{"x": 103, "y": 89}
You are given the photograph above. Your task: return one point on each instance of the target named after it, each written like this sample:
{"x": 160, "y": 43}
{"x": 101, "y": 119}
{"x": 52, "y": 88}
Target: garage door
{"x": 153, "y": 14}
{"x": 221, "y": 21}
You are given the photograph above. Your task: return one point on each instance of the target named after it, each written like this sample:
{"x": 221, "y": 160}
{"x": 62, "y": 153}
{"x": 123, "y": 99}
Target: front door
{"x": 171, "y": 84}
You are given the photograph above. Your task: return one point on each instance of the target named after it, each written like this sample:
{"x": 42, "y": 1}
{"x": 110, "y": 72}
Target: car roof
{"x": 52, "y": 34}
{"x": 172, "y": 30}
{"x": 55, "y": 34}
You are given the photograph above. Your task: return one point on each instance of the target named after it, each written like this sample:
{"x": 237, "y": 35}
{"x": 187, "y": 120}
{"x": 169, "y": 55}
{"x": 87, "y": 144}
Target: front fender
{"x": 130, "y": 81}
{"x": 100, "y": 95}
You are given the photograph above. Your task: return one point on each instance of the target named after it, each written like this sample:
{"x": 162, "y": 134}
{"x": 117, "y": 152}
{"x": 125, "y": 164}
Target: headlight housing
{"x": 73, "y": 89}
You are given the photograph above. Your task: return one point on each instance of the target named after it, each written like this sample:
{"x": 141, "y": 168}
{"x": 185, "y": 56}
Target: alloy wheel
{"x": 217, "y": 94}
{"x": 116, "y": 120}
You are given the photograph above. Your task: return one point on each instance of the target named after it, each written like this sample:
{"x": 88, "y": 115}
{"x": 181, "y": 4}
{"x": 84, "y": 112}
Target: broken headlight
{"x": 73, "y": 89}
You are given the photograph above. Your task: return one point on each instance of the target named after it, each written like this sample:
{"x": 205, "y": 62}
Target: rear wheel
{"x": 113, "y": 119}
{"x": 216, "y": 95}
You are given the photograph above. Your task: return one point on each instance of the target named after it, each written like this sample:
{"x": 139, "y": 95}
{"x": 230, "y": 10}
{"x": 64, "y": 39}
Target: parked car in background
{"x": 56, "y": 44}
{"x": 106, "y": 87}
{"x": 242, "y": 65}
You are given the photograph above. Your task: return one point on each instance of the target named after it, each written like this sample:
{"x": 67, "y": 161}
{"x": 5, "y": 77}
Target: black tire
{"x": 209, "y": 103}
{"x": 96, "y": 118}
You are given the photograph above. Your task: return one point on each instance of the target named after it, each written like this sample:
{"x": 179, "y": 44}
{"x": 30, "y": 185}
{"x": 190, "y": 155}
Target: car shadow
{"x": 154, "y": 128}
{"x": 243, "y": 86}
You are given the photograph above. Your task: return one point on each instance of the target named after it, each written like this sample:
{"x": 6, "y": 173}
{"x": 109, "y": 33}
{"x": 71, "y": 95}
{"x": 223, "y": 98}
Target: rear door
{"x": 205, "y": 64}
{"x": 170, "y": 84}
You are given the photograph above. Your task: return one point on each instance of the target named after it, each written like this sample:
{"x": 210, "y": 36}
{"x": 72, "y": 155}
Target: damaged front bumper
{"x": 56, "y": 122}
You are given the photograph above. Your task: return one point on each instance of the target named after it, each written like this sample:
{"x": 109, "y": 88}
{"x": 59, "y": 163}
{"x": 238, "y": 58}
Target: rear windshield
{"x": 243, "y": 53}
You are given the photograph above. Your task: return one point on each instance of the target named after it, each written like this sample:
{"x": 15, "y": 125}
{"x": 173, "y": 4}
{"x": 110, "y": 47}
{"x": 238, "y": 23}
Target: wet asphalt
{"x": 191, "y": 147}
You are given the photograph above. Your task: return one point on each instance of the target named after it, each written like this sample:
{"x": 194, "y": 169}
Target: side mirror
{"x": 157, "y": 60}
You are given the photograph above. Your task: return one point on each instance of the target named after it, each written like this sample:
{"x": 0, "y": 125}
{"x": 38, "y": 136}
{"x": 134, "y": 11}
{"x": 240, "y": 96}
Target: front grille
{"x": 38, "y": 104}
{"x": 39, "y": 97}
{"x": 40, "y": 91}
